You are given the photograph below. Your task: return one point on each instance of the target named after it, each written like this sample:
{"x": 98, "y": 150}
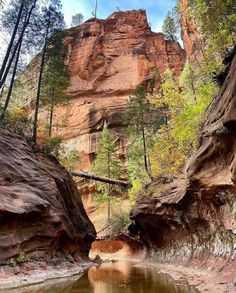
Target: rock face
{"x": 107, "y": 59}
{"x": 41, "y": 213}
{"x": 189, "y": 34}
{"x": 194, "y": 216}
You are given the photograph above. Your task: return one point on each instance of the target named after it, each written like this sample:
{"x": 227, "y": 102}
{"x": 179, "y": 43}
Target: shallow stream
{"x": 117, "y": 277}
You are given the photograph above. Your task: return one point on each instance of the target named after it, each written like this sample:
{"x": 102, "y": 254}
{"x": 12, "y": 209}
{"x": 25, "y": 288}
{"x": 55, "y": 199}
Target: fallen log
{"x": 101, "y": 179}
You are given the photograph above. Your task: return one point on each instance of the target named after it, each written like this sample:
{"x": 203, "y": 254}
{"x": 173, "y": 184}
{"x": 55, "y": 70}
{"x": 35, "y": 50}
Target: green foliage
{"x": 138, "y": 176}
{"x": 143, "y": 121}
{"x": 69, "y": 158}
{"x": 77, "y": 19}
{"x": 184, "y": 102}
{"x": 55, "y": 76}
{"x": 107, "y": 164}
{"x": 21, "y": 258}
{"x": 119, "y": 223}
{"x": 107, "y": 161}
{"x": 18, "y": 121}
{"x": 53, "y": 145}
{"x": 137, "y": 109}
{"x": 137, "y": 186}
{"x": 170, "y": 26}
{"x": 216, "y": 21}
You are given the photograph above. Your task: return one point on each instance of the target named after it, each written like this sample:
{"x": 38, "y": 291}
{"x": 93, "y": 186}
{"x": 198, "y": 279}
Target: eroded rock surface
{"x": 193, "y": 218}
{"x": 107, "y": 59}
{"x": 41, "y": 212}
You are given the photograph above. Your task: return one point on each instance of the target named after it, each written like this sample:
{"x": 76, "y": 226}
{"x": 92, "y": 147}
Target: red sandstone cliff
{"x": 41, "y": 212}
{"x": 107, "y": 59}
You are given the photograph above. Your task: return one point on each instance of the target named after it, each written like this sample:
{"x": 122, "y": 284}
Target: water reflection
{"x": 113, "y": 278}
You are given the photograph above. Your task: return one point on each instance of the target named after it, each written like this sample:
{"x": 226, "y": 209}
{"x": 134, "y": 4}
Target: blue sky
{"x": 156, "y": 9}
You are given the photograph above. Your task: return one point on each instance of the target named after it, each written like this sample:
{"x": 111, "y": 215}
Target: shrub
{"x": 69, "y": 158}
{"x": 135, "y": 189}
{"x": 21, "y": 258}
{"x": 119, "y": 223}
{"x": 53, "y": 145}
{"x": 18, "y": 121}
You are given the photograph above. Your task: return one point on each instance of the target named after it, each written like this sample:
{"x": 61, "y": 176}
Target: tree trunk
{"x": 109, "y": 189}
{"x": 9, "y": 48}
{"x": 51, "y": 119}
{"x": 194, "y": 92}
{"x": 35, "y": 125}
{"x": 96, "y": 8}
{"x": 145, "y": 151}
{"x": 122, "y": 183}
{"x": 1, "y": 92}
{"x": 11, "y": 84}
{"x": 4, "y": 77}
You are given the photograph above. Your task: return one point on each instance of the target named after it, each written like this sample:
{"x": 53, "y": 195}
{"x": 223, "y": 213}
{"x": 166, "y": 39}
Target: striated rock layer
{"x": 107, "y": 59}
{"x": 193, "y": 218}
{"x": 41, "y": 213}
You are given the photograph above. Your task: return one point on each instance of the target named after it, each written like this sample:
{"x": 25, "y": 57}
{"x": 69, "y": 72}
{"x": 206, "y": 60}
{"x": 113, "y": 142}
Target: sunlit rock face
{"x": 41, "y": 212}
{"x": 193, "y": 218}
{"x": 107, "y": 59}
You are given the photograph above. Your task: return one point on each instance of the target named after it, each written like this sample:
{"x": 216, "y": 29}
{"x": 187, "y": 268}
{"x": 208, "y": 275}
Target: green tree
{"x": 216, "y": 22}
{"x": 139, "y": 118}
{"x": 185, "y": 111}
{"x": 55, "y": 79}
{"x": 170, "y": 27}
{"x": 77, "y": 19}
{"x": 138, "y": 176}
{"x": 69, "y": 158}
{"x": 107, "y": 164}
{"x": 19, "y": 16}
{"x": 143, "y": 121}
{"x": 53, "y": 20}
{"x": 187, "y": 80}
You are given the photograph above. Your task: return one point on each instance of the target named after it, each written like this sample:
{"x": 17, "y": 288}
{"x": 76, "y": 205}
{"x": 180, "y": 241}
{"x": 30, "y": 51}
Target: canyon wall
{"x": 41, "y": 212}
{"x": 107, "y": 59}
{"x": 193, "y": 217}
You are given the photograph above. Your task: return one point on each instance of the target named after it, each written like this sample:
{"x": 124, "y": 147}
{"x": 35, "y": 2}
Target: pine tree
{"x": 19, "y": 15}
{"x": 142, "y": 119}
{"x": 55, "y": 78}
{"x": 170, "y": 27}
{"x": 77, "y": 19}
{"x": 107, "y": 164}
{"x": 53, "y": 20}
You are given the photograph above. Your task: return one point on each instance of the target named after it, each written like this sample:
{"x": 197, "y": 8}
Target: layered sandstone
{"x": 107, "y": 59}
{"x": 193, "y": 217}
{"x": 41, "y": 212}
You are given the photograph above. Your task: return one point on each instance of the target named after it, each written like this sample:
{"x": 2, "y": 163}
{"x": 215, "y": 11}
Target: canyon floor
{"x": 204, "y": 279}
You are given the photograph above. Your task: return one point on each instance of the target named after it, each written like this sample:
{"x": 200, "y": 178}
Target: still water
{"x": 116, "y": 277}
